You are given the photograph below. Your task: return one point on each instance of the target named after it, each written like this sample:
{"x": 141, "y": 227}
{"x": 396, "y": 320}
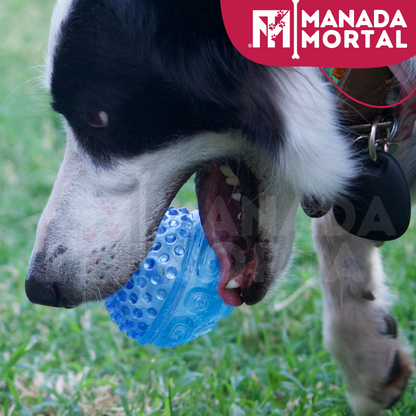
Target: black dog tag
{"x": 378, "y": 207}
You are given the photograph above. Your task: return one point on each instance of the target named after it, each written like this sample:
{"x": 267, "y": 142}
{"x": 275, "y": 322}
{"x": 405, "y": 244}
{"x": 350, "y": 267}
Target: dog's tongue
{"x": 242, "y": 274}
{"x": 229, "y": 296}
{"x": 220, "y": 210}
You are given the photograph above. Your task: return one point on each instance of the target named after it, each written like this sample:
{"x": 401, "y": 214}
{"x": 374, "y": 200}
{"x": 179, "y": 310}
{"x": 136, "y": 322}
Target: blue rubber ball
{"x": 172, "y": 299}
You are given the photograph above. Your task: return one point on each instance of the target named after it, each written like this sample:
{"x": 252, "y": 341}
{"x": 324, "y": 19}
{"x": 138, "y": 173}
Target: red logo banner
{"x": 353, "y": 34}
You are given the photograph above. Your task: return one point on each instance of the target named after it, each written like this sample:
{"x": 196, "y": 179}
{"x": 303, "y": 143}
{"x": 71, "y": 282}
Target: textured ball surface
{"x": 172, "y": 298}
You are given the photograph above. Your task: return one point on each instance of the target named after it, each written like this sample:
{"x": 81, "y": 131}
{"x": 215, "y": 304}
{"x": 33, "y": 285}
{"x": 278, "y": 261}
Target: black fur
{"x": 160, "y": 70}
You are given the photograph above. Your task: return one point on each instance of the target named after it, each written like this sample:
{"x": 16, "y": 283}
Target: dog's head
{"x": 150, "y": 95}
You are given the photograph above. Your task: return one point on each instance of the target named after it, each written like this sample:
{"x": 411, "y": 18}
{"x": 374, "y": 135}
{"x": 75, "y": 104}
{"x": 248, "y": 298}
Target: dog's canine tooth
{"x": 232, "y": 284}
{"x": 226, "y": 170}
{"x": 239, "y": 216}
{"x": 234, "y": 181}
{"x": 237, "y": 197}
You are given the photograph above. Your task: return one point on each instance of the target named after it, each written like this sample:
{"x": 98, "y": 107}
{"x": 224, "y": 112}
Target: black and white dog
{"x": 153, "y": 91}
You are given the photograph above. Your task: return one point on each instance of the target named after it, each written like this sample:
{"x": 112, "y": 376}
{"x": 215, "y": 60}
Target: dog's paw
{"x": 359, "y": 331}
{"x": 363, "y": 337}
{"x": 372, "y": 402}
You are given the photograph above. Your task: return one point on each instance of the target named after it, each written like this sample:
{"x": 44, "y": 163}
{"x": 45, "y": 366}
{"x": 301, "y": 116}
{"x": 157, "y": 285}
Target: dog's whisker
{"x": 37, "y": 86}
{"x": 21, "y": 85}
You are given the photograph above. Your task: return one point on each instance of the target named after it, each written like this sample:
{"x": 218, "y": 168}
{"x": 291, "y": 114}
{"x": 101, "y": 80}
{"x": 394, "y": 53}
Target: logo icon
{"x": 277, "y": 23}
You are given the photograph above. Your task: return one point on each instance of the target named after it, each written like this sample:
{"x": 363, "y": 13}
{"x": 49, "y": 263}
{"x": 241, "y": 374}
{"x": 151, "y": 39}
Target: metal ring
{"x": 360, "y": 138}
{"x": 393, "y": 130}
{"x": 372, "y": 139}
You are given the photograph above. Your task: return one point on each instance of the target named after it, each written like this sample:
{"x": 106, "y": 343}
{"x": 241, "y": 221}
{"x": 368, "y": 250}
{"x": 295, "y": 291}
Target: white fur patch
{"x": 316, "y": 159}
{"x": 60, "y": 14}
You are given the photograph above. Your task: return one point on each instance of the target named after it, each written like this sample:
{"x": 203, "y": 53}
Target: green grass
{"x": 59, "y": 362}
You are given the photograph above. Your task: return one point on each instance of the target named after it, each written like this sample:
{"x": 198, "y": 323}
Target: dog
{"x": 151, "y": 93}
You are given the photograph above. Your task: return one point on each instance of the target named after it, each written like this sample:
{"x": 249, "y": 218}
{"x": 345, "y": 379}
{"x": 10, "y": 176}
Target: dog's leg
{"x": 358, "y": 328}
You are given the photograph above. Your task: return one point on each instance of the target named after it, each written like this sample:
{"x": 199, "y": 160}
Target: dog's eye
{"x": 97, "y": 119}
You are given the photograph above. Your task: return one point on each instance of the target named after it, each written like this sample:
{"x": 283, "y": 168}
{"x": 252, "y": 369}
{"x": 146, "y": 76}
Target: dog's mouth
{"x": 228, "y": 198}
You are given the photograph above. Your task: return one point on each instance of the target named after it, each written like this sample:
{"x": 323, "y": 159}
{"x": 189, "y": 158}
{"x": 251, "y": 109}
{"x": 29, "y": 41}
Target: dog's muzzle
{"x": 42, "y": 293}
{"x": 41, "y": 290}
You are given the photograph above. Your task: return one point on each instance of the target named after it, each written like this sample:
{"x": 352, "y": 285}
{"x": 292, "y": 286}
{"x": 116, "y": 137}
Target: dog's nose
{"x": 39, "y": 289}
{"x": 40, "y": 292}
{"x": 42, "y": 288}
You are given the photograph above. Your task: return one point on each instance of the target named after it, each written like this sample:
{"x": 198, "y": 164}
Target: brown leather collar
{"x": 372, "y": 86}
{"x": 368, "y": 85}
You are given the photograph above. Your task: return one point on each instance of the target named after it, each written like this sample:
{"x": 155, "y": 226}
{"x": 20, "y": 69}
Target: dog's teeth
{"x": 232, "y": 284}
{"x": 226, "y": 170}
{"x": 237, "y": 197}
{"x": 239, "y": 216}
{"x": 233, "y": 181}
